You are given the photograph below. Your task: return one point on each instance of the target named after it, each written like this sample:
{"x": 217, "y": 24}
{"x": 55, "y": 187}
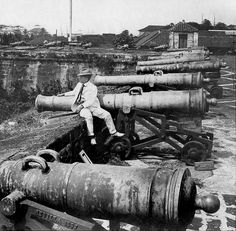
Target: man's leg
{"x": 103, "y": 114}
{"x": 85, "y": 113}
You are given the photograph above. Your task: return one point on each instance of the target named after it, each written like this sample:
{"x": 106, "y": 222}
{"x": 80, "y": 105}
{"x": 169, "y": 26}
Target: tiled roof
{"x": 152, "y": 28}
{"x": 152, "y": 35}
{"x": 141, "y": 37}
{"x": 183, "y": 27}
{"x": 147, "y": 38}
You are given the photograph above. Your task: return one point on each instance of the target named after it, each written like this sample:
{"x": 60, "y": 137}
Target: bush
{"x": 124, "y": 38}
{"x": 15, "y": 102}
{"x": 9, "y": 109}
{"x": 105, "y": 64}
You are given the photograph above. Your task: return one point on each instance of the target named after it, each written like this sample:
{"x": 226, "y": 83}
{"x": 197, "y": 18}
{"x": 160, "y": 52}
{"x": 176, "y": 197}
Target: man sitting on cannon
{"x": 87, "y": 105}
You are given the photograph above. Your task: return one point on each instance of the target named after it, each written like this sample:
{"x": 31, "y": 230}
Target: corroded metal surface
{"x": 137, "y": 195}
{"x": 198, "y": 56}
{"x": 180, "y": 80}
{"x": 169, "y": 60}
{"x": 189, "y": 49}
{"x": 193, "y": 101}
{"x": 183, "y": 67}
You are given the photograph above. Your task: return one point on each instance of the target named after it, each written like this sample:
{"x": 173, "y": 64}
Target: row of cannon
{"x": 158, "y": 101}
{"x": 186, "y": 60}
{"x": 37, "y": 193}
{"x": 155, "y": 109}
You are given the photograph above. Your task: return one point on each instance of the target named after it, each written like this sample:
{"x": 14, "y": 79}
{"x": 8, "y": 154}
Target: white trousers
{"x": 100, "y": 113}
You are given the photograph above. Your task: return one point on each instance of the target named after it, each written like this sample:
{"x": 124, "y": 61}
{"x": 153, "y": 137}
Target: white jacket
{"x": 89, "y": 95}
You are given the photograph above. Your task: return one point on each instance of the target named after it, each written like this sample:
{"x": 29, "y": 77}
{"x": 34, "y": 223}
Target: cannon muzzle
{"x": 160, "y": 196}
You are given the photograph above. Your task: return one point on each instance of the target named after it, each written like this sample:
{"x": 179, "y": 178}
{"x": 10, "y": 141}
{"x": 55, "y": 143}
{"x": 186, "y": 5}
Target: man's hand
{"x": 60, "y": 95}
{"x": 77, "y": 108}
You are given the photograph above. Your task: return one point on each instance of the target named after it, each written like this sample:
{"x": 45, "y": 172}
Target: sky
{"x": 112, "y": 16}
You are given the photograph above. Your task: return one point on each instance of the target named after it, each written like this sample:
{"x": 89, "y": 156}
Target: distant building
{"x": 97, "y": 40}
{"x": 231, "y": 27}
{"x": 152, "y": 36}
{"x": 150, "y": 29}
{"x": 74, "y": 36}
{"x": 152, "y": 39}
{"x": 183, "y": 35}
{"x": 218, "y": 40}
{"x": 11, "y": 29}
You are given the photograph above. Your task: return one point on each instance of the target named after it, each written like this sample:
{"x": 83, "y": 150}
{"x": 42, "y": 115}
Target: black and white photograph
{"x": 118, "y": 115}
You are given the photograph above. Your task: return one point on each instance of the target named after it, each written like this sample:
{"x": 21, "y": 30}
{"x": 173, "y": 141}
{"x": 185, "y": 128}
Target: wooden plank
{"x": 204, "y": 165}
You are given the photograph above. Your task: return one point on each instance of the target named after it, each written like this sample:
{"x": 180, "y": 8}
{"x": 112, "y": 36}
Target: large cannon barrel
{"x": 169, "y": 60}
{"x": 186, "y": 52}
{"x": 186, "y": 101}
{"x": 196, "y": 56}
{"x": 134, "y": 195}
{"x": 189, "y": 49}
{"x": 206, "y": 66}
{"x": 179, "y": 80}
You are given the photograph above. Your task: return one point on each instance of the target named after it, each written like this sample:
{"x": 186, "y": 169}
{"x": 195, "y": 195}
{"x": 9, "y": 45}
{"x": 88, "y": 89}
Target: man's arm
{"x": 69, "y": 93}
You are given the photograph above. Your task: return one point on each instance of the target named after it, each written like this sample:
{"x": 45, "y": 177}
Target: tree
{"x": 43, "y": 32}
{"x": 221, "y": 26}
{"x": 124, "y": 38}
{"x": 206, "y": 25}
{"x": 194, "y": 24}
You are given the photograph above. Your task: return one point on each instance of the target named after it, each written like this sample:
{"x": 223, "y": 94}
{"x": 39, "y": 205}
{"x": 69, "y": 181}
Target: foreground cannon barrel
{"x": 160, "y": 196}
{"x": 183, "y": 67}
{"x": 179, "y": 80}
{"x": 169, "y": 60}
{"x": 188, "y": 101}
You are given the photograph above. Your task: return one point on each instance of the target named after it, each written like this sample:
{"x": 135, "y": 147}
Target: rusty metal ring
{"x": 42, "y": 164}
{"x": 159, "y": 72}
{"x": 49, "y": 155}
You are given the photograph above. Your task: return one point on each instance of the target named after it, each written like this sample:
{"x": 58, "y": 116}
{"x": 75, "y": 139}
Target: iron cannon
{"x": 193, "y": 56}
{"x": 177, "y": 80}
{"x": 205, "y": 66}
{"x": 186, "y": 101}
{"x": 169, "y": 60}
{"x": 156, "y": 196}
{"x": 188, "y": 50}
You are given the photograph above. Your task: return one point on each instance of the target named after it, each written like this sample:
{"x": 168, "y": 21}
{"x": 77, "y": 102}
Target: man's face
{"x": 84, "y": 79}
